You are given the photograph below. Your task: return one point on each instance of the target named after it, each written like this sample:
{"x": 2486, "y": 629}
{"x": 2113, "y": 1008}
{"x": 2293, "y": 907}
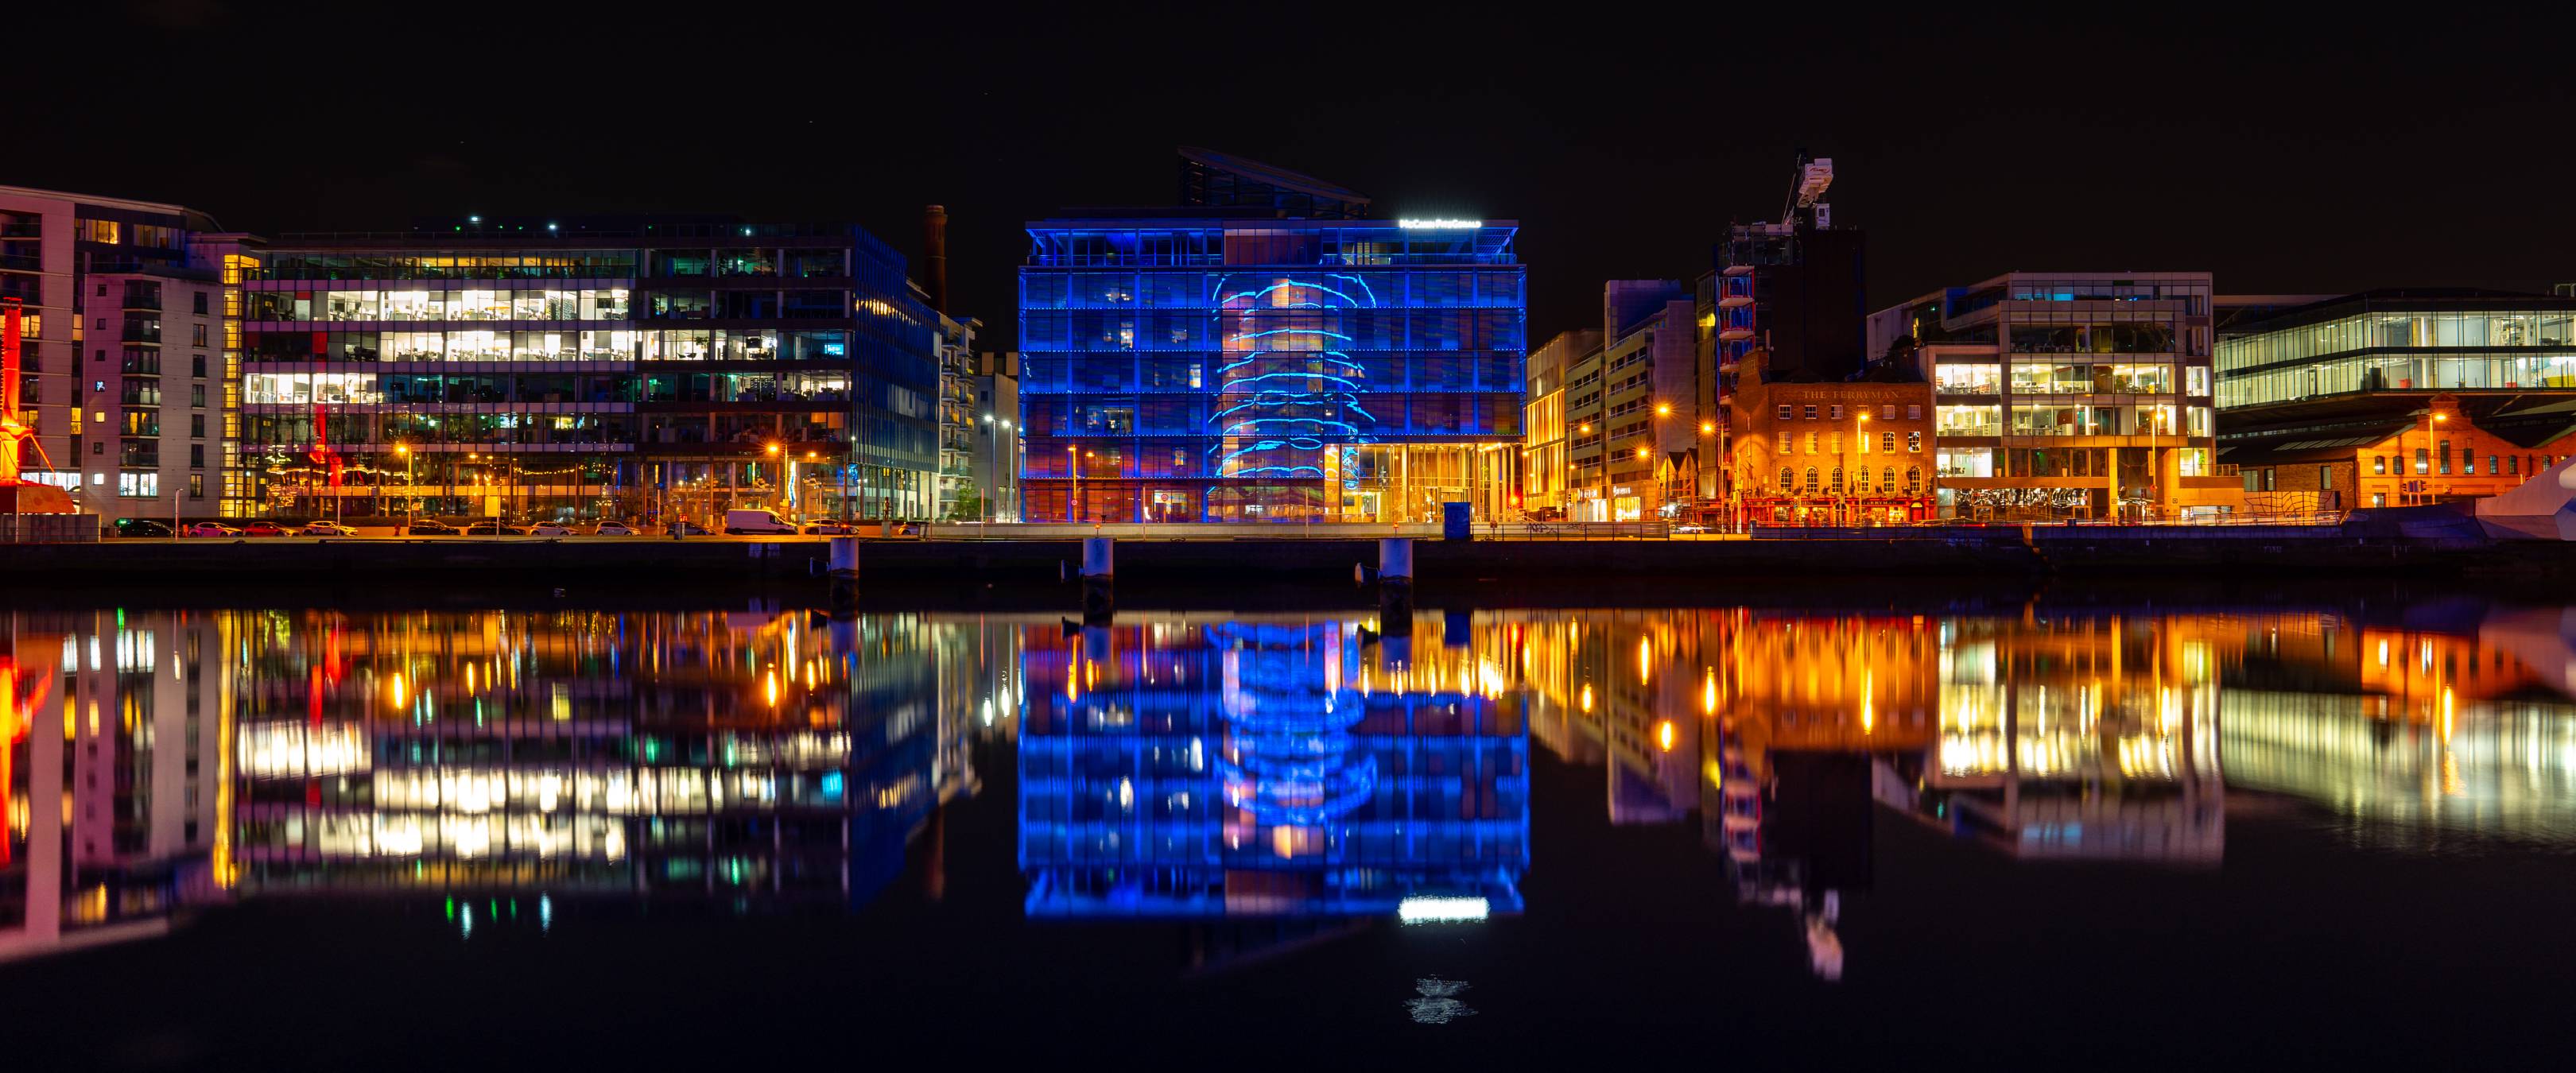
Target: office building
{"x": 1199, "y": 365}
{"x": 127, "y": 348}
{"x": 1647, "y": 403}
{"x": 589, "y": 369}
{"x": 2338, "y": 382}
{"x": 1547, "y": 467}
{"x": 2067, "y": 394}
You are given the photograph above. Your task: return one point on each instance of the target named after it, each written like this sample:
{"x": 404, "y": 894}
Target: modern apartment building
{"x": 127, "y": 347}
{"x": 588, "y": 369}
{"x": 1224, "y": 362}
{"x": 2068, "y": 393}
{"x": 955, "y": 342}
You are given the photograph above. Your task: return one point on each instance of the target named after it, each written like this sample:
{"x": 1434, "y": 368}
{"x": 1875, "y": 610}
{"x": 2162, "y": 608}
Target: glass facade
{"x": 2067, "y": 393}
{"x": 676, "y": 372}
{"x": 2369, "y": 343}
{"x": 1269, "y": 370}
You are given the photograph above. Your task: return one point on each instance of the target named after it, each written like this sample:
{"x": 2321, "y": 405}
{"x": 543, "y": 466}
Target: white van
{"x": 757, "y": 523}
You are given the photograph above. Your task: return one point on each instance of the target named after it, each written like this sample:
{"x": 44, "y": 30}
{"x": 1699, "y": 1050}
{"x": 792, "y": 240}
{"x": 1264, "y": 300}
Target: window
{"x": 1811, "y": 478}
{"x": 197, "y": 425}
{"x": 1914, "y": 443}
{"x": 1887, "y": 412}
{"x": 196, "y": 486}
{"x": 200, "y": 301}
{"x": 2421, "y": 463}
{"x": 1887, "y": 479}
{"x": 1784, "y": 411}
{"x": 1788, "y": 443}
{"x": 1836, "y": 487}
{"x": 2513, "y": 465}
{"x": 98, "y": 448}
{"x": 2492, "y": 463}
{"x": 1860, "y": 481}
{"x": 2325, "y": 478}
{"x": 1835, "y": 443}
{"x": 1913, "y": 479}
{"x": 197, "y": 366}
{"x": 198, "y": 331}
{"x": 138, "y": 485}
{"x": 1788, "y": 480}
{"x": 2446, "y": 457}
{"x": 196, "y": 394}
{"x": 1811, "y": 437}
{"x": 1914, "y": 413}
{"x": 2379, "y": 499}
{"x": 2379, "y": 465}
{"x": 2271, "y": 480}
{"x": 197, "y": 455}
{"x": 1835, "y": 412}
{"x": 1887, "y": 443}
{"x": 1810, "y": 413}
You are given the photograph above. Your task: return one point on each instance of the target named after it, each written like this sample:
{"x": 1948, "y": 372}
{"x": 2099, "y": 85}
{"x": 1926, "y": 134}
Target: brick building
{"x": 2437, "y": 454}
{"x": 1843, "y": 452}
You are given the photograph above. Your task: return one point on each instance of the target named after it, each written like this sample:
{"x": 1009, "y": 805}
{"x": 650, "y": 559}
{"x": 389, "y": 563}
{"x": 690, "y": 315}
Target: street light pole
{"x": 404, "y": 449}
{"x": 1073, "y": 464}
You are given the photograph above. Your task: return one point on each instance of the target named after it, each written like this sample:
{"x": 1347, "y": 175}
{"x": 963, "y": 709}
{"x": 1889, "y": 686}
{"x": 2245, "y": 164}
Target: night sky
{"x": 2312, "y": 156}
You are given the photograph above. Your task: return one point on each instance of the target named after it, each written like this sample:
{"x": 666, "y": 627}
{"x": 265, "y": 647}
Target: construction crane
{"x": 20, "y": 496}
{"x": 1807, "y": 189}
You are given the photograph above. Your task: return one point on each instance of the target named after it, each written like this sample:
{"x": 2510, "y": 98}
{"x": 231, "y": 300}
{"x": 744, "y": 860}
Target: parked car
{"x": 686, "y": 529}
{"x": 614, "y": 529}
{"x": 1689, "y": 527}
{"x": 428, "y": 527}
{"x": 550, "y": 529}
{"x": 142, "y": 527}
{"x": 494, "y": 529}
{"x": 212, "y": 529}
{"x": 831, "y": 529}
{"x": 265, "y": 529}
{"x": 329, "y": 529}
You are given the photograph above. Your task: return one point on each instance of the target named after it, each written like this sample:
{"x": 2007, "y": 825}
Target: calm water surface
{"x": 2127, "y": 835}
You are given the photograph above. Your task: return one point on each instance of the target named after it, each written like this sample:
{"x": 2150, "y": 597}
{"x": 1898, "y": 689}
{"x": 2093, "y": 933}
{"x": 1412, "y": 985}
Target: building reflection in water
{"x": 739, "y": 759}
{"x": 1249, "y": 766}
{"x": 1256, "y": 767}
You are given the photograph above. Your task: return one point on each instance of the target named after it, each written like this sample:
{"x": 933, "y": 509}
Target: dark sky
{"x": 2292, "y": 156}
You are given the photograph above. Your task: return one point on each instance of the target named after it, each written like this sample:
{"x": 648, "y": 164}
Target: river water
{"x": 2121, "y": 833}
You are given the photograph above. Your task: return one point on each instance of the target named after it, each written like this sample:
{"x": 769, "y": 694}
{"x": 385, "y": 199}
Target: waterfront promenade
{"x": 948, "y": 561}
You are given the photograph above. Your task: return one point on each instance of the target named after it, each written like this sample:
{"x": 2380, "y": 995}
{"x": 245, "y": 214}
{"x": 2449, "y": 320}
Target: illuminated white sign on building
{"x": 1439, "y": 225}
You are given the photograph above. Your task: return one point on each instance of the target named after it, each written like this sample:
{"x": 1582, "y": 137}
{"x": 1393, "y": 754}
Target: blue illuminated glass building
{"x": 1266, "y": 768}
{"x": 1227, "y": 363}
